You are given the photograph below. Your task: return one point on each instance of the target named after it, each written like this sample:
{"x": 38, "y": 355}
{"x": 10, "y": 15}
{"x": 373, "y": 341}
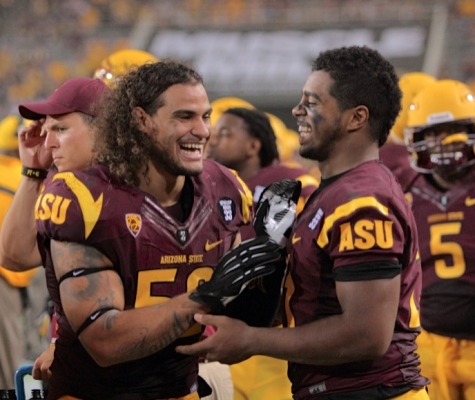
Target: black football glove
{"x": 259, "y": 304}
{"x": 276, "y": 210}
{"x": 249, "y": 260}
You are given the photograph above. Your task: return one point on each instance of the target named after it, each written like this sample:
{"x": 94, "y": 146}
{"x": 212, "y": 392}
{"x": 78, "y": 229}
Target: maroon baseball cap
{"x": 76, "y": 94}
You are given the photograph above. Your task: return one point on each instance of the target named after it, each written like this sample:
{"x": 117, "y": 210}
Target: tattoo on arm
{"x": 146, "y": 346}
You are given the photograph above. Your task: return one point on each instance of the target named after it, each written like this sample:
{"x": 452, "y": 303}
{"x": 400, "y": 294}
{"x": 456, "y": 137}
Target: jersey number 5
{"x": 439, "y": 248}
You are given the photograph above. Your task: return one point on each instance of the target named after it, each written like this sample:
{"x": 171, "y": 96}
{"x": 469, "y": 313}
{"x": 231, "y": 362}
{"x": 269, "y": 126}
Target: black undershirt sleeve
{"x": 367, "y": 271}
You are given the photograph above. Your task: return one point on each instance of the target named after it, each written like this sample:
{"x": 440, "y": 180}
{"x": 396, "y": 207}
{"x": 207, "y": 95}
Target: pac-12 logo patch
{"x": 134, "y": 223}
{"x": 227, "y": 208}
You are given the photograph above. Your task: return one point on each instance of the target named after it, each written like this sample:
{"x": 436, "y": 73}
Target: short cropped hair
{"x": 361, "y": 76}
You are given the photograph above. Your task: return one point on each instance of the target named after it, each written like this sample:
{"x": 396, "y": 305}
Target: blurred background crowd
{"x": 256, "y": 50}
{"x": 45, "y": 42}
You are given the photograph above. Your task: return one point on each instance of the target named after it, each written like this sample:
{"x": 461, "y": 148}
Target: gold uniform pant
{"x": 415, "y": 394}
{"x": 449, "y": 364}
{"x": 261, "y": 378}
{"x": 191, "y": 396}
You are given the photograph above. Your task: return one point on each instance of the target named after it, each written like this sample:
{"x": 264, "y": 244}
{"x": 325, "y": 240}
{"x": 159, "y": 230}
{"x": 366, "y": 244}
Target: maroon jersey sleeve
{"x": 355, "y": 228}
{"x": 221, "y": 182}
{"x": 397, "y": 158}
{"x": 69, "y": 210}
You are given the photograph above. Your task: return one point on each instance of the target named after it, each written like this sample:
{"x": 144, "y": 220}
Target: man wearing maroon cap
{"x": 74, "y": 95}
{"x": 60, "y": 138}
{"x": 68, "y": 117}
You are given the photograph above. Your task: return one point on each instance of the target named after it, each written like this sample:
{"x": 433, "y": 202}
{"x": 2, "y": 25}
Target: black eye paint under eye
{"x": 316, "y": 116}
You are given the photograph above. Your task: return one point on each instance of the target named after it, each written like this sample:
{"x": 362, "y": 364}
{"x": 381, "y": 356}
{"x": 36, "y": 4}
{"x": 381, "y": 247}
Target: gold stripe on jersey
{"x": 414, "y": 321}
{"x": 343, "y": 211}
{"x": 246, "y": 197}
{"x": 246, "y": 206}
{"x": 90, "y": 209}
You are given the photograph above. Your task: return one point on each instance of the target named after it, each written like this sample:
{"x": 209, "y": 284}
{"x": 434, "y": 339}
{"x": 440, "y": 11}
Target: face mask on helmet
{"x": 446, "y": 149}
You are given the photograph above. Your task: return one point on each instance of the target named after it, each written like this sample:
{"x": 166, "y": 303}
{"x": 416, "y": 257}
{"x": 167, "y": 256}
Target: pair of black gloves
{"x": 255, "y": 258}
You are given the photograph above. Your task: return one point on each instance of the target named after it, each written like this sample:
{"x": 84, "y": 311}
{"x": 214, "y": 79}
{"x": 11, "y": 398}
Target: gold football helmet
{"x": 441, "y": 128}
{"x": 9, "y": 127}
{"x": 119, "y": 63}
{"x": 222, "y": 104}
{"x": 410, "y": 84}
{"x": 287, "y": 140}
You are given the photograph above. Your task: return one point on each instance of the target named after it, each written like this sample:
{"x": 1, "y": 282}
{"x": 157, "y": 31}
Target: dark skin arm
{"x": 362, "y": 332}
{"x": 118, "y": 335}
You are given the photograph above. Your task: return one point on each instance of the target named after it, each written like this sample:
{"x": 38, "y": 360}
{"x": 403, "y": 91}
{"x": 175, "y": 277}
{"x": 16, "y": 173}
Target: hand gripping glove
{"x": 276, "y": 210}
{"x": 250, "y": 260}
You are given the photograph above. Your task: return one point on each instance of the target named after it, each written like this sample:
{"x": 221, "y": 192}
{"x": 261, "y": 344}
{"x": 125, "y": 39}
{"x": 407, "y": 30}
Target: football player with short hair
{"x": 441, "y": 137}
{"x": 354, "y": 278}
{"x": 244, "y": 140}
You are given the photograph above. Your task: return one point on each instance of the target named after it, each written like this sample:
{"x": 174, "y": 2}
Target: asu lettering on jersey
{"x": 157, "y": 257}
{"x": 359, "y": 221}
{"x": 54, "y": 207}
{"x": 366, "y": 234}
{"x": 362, "y": 234}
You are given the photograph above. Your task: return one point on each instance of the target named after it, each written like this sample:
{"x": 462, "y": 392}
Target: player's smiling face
{"x": 181, "y": 129}
{"x": 318, "y": 118}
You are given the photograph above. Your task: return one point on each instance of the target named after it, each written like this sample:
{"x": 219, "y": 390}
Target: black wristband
{"x": 34, "y": 173}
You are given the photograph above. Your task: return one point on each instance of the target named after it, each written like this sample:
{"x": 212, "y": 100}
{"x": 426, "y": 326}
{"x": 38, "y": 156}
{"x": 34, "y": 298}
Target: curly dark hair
{"x": 121, "y": 145}
{"x": 363, "y": 77}
{"x": 258, "y": 126}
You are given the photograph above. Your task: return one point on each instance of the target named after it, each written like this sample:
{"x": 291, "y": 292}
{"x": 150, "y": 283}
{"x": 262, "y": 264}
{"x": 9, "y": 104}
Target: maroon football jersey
{"x": 156, "y": 256}
{"x": 447, "y": 246}
{"x": 398, "y": 159}
{"x": 360, "y": 218}
{"x": 274, "y": 173}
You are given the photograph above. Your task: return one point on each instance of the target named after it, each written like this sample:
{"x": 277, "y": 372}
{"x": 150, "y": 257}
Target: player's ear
{"x": 254, "y": 146}
{"x": 358, "y": 117}
{"x": 141, "y": 119}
